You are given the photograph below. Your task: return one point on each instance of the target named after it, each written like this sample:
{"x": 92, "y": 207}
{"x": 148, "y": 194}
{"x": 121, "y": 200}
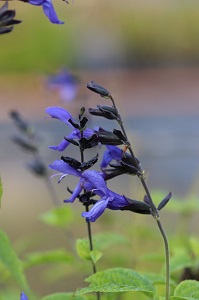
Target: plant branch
{"x": 154, "y": 211}
{"x": 167, "y": 256}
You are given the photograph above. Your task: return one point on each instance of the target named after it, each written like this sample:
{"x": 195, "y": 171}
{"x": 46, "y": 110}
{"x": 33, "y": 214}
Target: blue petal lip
{"x": 48, "y": 10}
{"x": 96, "y": 211}
{"x": 59, "y": 113}
{"x": 61, "y": 166}
{"x": 111, "y": 153}
{"x": 96, "y": 179}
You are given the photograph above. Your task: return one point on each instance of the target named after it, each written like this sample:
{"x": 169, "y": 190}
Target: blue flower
{"x": 112, "y": 153}
{"x": 91, "y": 181}
{"x": 109, "y": 199}
{"x": 23, "y": 296}
{"x": 65, "y": 83}
{"x": 48, "y": 10}
{"x": 64, "y": 116}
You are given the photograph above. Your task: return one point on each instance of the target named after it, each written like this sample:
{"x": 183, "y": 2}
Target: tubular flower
{"x": 64, "y": 116}
{"x": 48, "y": 10}
{"x": 112, "y": 153}
{"x": 91, "y": 181}
{"x": 109, "y": 199}
{"x": 23, "y": 296}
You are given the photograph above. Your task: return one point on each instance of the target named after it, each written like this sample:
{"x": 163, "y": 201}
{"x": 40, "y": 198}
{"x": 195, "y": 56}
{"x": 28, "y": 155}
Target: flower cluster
{"x": 92, "y": 186}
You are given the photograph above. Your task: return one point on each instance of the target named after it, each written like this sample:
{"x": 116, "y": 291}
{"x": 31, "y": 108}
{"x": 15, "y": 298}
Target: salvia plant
{"x": 95, "y": 197}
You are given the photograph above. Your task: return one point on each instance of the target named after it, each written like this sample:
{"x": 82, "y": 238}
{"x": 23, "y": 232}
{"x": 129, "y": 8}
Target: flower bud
{"x": 96, "y": 88}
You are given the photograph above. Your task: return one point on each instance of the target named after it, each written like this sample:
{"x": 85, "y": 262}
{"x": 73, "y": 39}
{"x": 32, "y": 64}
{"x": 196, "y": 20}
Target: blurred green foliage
{"x": 155, "y": 34}
{"x": 37, "y": 44}
{"x": 162, "y": 35}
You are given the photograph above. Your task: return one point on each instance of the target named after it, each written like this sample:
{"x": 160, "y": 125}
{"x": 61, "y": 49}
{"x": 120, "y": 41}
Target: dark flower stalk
{"x": 154, "y": 210}
{"x": 149, "y": 206}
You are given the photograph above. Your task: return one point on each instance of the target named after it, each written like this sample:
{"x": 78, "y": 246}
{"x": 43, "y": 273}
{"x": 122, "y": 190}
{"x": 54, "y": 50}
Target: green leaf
{"x": 82, "y": 247}
{"x": 59, "y": 216}
{"x": 118, "y": 280}
{"x": 53, "y": 256}
{"x": 100, "y": 242}
{"x": 95, "y": 255}
{"x": 63, "y": 296}
{"x": 187, "y": 290}
{"x": 12, "y": 263}
{"x": 1, "y": 191}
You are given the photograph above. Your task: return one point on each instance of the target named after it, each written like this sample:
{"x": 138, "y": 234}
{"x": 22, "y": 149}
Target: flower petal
{"x": 50, "y": 12}
{"x": 64, "y": 143}
{"x": 61, "y": 166}
{"x": 96, "y": 180}
{"x": 116, "y": 201}
{"x": 36, "y": 2}
{"x": 75, "y": 193}
{"x": 111, "y": 153}
{"x": 97, "y": 210}
{"x": 88, "y": 132}
{"x": 59, "y": 113}
{"x": 61, "y": 147}
{"x": 23, "y": 296}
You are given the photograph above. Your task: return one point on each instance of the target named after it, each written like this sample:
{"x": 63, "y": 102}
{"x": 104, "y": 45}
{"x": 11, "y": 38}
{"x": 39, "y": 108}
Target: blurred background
{"x": 146, "y": 53}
